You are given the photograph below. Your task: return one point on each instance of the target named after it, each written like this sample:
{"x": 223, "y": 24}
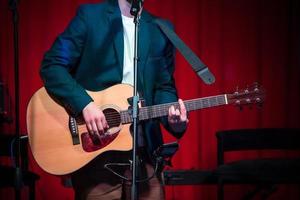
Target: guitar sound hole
{"x": 113, "y": 117}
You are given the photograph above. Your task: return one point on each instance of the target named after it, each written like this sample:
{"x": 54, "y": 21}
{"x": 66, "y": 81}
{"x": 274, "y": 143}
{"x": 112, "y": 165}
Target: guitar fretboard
{"x": 163, "y": 109}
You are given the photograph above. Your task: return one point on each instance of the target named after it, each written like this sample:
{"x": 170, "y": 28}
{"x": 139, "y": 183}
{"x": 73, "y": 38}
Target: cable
{"x": 106, "y": 166}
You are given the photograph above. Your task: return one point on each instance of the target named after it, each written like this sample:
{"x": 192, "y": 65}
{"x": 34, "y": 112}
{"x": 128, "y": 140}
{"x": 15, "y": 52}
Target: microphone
{"x": 136, "y": 6}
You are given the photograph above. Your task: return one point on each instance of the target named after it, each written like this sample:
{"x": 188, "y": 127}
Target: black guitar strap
{"x": 198, "y": 66}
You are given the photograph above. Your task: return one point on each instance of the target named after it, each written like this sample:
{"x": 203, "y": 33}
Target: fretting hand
{"x": 177, "y": 117}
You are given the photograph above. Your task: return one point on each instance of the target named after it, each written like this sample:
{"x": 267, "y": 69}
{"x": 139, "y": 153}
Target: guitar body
{"x": 50, "y": 137}
{"x": 61, "y": 144}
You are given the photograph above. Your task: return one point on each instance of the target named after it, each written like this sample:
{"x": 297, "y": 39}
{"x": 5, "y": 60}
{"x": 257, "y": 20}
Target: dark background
{"x": 242, "y": 41}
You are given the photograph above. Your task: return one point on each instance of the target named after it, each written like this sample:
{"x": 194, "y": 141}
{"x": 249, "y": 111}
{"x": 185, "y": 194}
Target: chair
{"x": 8, "y": 173}
{"x": 264, "y": 172}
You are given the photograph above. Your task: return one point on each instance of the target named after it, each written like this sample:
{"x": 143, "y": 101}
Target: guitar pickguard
{"x": 92, "y": 143}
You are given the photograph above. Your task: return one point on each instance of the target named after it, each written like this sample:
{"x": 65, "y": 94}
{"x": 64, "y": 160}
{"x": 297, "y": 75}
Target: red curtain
{"x": 241, "y": 41}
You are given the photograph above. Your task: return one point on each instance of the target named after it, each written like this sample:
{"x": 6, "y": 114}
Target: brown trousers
{"x": 95, "y": 182}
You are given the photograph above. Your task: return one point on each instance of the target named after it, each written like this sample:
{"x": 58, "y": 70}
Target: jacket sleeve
{"x": 165, "y": 89}
{"x": 61, "y": 59}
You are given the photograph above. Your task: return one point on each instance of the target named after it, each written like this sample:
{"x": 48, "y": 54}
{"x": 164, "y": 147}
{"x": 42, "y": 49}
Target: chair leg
{"x": 31, "y": 191}
{"x": 220, "y": 189}
{"x": 17, "y": 193}
{"x": 268, "y": 191}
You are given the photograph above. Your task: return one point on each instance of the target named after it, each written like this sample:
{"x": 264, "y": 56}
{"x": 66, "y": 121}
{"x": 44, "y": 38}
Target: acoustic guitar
{"x": 61, "y": 143}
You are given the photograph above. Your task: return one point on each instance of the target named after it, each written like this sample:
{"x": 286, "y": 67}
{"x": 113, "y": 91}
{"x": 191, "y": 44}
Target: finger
{"x": 104, "y": 123}
{"x": 170, "y": 114}
{"x": 95, "y": 128}
{"x": 173, "y": 112}
{"x": 170, "y": 111}
{"x": 89, "y": 127}
{"x": 183, "y": 112}
{"x": 177, "y": 113}
{"x": 182, "y": 106}
{"x": 99, "y": 126}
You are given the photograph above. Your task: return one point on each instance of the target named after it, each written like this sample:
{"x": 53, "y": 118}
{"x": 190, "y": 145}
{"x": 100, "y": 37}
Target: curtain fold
{"x": 241, "y": 41}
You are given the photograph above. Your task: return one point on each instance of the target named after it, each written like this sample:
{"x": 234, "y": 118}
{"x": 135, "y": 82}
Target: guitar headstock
{"x": 254, "y": 94}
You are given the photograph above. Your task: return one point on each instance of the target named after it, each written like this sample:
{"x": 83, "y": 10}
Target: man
{"x": 96, "y": 52}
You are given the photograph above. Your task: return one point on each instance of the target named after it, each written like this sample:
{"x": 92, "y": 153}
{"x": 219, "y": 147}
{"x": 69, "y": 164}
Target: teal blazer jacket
{"x": 89, "y": 55}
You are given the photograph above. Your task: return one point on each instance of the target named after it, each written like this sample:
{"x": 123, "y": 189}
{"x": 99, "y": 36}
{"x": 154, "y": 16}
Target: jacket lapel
{"x": 144, "y": 44}
{"x": 115, "y": 20}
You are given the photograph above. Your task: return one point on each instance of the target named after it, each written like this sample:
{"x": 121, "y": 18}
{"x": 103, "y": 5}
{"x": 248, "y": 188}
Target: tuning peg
{"x": 256, "y": 87}
{"x": 238, "y": 102}
{"x": 236, "y": 91}
{"x": 258, "y": 100}
{"x": 246, "y": 91}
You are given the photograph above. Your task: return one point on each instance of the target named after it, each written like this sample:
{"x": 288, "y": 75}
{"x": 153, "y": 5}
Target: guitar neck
{"x": 161, "y": 110}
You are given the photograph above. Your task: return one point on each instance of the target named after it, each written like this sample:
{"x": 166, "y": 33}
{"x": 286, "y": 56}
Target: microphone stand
{"x": 13, "y": 6}
{"x": 135, "y": 11}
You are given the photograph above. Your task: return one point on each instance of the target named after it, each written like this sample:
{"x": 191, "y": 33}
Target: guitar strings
{"x": 116, "y": 118}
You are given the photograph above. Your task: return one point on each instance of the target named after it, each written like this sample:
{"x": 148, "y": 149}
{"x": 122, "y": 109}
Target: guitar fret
{"x": 213, "y": 101}
{"x": 204, "y": 103}
{"x": 125, "y": 117}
